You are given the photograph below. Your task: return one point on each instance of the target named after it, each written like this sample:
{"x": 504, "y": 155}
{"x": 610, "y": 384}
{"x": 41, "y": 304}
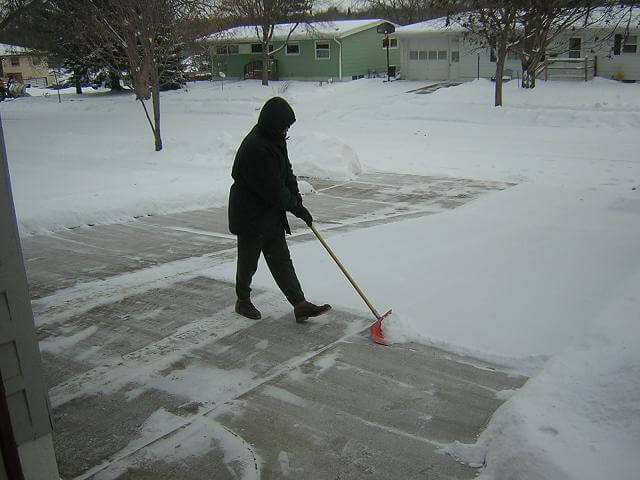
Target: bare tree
{"x": 263, "y": 16}
{"x": 494, "y": 26}
{"x": 542, "y": 22}
{"x": 403, "y": 11}
{"x": 143, "y": 35}
{"x": 538, "y": 18}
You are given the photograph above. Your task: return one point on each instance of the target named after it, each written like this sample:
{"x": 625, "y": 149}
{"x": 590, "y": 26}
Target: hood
{"x": 275, "y": 116}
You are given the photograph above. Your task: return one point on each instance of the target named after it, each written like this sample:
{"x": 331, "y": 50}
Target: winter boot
{"x": 304, "y": 310}
{"x": 246, "y": 309}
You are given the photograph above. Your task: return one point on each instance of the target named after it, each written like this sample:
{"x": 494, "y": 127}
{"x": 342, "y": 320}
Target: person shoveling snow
{"x": 264, "y": 189}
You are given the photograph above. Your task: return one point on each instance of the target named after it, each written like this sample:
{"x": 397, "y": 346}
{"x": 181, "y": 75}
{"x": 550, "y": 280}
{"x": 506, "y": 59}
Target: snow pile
{"x": 323, "y": 156}
{"x": 305, "y": 187}
{"x": 580, "y": 417}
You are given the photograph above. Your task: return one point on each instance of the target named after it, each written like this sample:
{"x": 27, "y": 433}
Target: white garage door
{"x": 428, "y": 58}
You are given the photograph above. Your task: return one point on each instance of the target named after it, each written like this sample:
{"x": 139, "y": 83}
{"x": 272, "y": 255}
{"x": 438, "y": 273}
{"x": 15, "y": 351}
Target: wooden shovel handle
{"x": 344, "y": 270}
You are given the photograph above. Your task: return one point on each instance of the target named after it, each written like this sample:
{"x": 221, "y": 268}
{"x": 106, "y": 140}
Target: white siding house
{"x": 431, "y": 50}
{"x": 616, "y": 53}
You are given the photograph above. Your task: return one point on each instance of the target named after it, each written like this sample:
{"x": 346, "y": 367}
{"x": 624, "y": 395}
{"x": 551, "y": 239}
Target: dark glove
{"x": 303, "y": 214}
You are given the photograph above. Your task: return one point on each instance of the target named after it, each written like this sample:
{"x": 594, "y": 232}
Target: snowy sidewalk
{"x": 152, "y": 375}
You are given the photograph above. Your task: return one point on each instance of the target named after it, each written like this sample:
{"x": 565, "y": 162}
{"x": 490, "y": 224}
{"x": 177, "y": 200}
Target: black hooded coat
{"x": 264, "y": 186}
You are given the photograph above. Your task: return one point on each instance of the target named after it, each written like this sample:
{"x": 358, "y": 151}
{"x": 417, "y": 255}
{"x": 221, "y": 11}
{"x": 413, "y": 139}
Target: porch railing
{"x": 568, "y": 69}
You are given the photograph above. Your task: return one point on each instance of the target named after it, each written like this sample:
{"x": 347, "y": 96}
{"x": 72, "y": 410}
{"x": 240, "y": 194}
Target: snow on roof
{"x": 304, "y": 31}
{"x": 599, "y": 17}
{"x": 617, "y": 17}
{"x": 428, "y": 26}
{"x": 12, "y": 50}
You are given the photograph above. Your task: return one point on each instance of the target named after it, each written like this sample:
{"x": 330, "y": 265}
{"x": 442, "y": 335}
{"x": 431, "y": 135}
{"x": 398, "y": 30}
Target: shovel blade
{"x": 376, "y": 330}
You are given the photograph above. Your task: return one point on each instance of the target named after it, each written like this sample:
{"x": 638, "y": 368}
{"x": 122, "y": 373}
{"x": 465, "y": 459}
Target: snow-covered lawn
{"x": 543, "y": 276}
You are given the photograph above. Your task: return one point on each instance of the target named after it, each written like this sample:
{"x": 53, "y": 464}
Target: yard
{"x": 542, "y": 276}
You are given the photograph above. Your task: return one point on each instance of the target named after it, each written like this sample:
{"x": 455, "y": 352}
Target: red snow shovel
{"x": 376, "y": 327}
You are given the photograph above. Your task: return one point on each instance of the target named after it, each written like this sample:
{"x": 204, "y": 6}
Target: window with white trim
{"x": 323, "y": 50}
{"x": 433, "y": 54}
{"x": 442, "y": 54}
{"x": 575, "y": 47}
{"x": 393, "y": 43}
{"x": 630, "y": 44}
{"x": 226, "y": 49}
{"x": 292, "y": 49}
{"x": 413, "y": 55}
{"x": 455, "y": 56}
{"x": 423, "y": 55}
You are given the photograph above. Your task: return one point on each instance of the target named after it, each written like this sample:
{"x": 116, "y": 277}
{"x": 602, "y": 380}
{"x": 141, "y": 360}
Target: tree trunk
{"x": 525, "y": 76}
{"x": 76, "y": 76}
{"x": 502, "y": 55}
{"x": 114, "y": 81}
{"x": 155, "y": 97}
{"x": 529, "y": 68}
{"x": 529, "y": 77}
{"x": 265, "y": 64}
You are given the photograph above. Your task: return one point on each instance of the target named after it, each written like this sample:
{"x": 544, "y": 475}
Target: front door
{"x": 454, "y": 59}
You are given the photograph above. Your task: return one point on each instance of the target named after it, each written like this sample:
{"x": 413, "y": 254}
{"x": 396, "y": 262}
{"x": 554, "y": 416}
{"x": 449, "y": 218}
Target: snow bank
{"x": 323, "y": 156}
{"x": 580, "y": 417}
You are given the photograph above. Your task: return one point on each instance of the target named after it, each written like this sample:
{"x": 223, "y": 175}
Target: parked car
{"x": 12, "y": 89}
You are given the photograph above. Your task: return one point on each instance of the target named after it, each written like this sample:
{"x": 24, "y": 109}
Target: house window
{"x": 455, "y": 56}
{"x": 630, "y": 44}
{"x": 257, "y": 48}
{"x": 226, "y": 49}
{"x": 422, "y": 55}
{"x": 575, "y": 49}
{"x": 293, "y": 49}
{"x": 36, "y": 61}
{"x": 413, "y": 55}
{"x": 15, "y": 61}
{"x": 393, "y": 42}
{"x": 323, "y": 51}
{"x": 433, "y": 54}
{"x": 442, "y": 54}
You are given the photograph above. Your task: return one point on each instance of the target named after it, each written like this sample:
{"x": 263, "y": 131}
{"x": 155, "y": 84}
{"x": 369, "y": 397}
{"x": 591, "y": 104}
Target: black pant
{"x": 276, "y": 253}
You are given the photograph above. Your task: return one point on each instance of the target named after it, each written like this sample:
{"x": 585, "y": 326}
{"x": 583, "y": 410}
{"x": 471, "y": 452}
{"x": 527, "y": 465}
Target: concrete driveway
{"x": 152, "y": 375}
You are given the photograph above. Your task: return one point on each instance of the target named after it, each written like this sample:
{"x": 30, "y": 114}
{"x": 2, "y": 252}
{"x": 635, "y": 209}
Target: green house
{"x": 325, "y": 51}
